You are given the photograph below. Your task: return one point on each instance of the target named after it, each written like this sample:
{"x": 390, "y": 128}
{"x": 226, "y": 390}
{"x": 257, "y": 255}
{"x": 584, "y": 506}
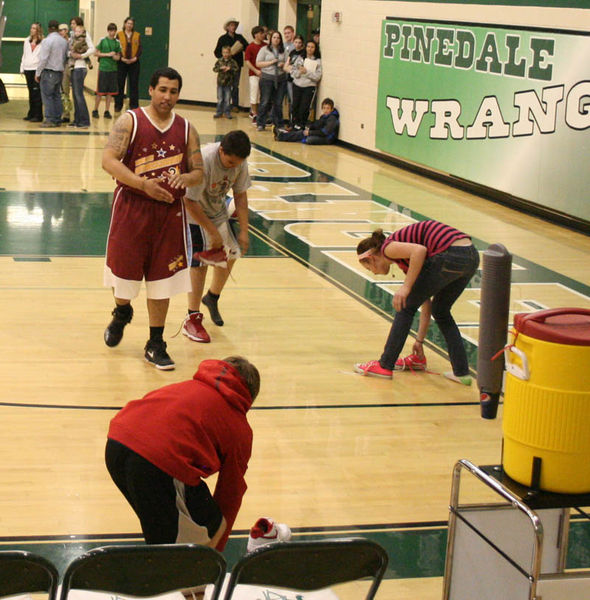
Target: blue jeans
{"x": 272, "y": 92}
{"x": 81, "y": 116}
{"x": 443, "y": 277}
{"x": 223, "y": 100}
{"x": 51, "y": 95}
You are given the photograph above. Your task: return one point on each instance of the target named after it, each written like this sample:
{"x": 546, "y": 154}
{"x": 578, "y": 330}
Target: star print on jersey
{"x": 177, "y": 263}
{"x": 159, "y": 161}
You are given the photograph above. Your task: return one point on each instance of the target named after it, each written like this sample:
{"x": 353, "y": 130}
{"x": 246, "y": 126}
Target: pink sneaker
{"x": 373, "y": 369}
{"x": 411, "y": 363}
{"x": 193, "y": 328}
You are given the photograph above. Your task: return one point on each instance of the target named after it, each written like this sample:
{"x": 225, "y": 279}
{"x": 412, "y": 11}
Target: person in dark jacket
{"x": 237, "y": 43}
{"x": 161, "y": 448}
{"x": 322, "y": 131}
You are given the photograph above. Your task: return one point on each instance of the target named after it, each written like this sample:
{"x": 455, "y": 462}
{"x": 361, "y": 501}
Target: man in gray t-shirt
{"x": 224, "y": 168}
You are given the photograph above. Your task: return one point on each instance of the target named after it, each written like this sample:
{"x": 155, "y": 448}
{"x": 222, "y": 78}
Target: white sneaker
{"x": 265, "y": 531}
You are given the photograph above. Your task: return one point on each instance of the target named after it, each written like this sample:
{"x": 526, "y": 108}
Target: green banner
{"x": 505, "y": 108}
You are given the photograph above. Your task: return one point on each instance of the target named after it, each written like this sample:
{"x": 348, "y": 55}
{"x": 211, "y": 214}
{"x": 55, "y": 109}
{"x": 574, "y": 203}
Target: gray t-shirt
{"x": 217, "y": 181}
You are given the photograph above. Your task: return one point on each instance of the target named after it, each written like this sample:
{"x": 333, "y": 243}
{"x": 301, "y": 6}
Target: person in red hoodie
{"x": 161, "y": 448}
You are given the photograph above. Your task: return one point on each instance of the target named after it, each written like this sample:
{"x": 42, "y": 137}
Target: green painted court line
{"x": 413, "y": 551}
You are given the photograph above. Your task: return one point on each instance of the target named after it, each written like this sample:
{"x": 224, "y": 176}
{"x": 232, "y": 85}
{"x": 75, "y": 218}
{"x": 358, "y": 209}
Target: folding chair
{"x": 27, "y": 573}
{"x": 314, "y": 565}
{"x": 145, "y": 570}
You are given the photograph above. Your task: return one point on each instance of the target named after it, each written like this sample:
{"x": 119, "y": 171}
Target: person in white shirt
{"x": 224, "y": 167}
{"x": 28, "y": 67}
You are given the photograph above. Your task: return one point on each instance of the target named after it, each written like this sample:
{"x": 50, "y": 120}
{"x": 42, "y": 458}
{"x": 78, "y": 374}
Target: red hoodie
{"x": 193, "y": 429}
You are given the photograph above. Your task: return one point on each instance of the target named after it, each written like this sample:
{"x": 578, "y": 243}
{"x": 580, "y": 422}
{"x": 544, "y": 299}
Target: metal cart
{"x": 512, "y": 549}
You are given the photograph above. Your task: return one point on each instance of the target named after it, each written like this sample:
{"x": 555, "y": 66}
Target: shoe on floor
{"x": 107, "y": 115}
{"x": 193, "y": 328}
{"x": 373, "y": 369}
{"x": 216, "y": 116}
{"x": 265, "y": 531}
{"x": 95, "y": 114}
{"x": 211, "y": 304}
{"x": 410, "y": 363}
{"x": 462, "y": 379}
{"x": 114, "y": 331}
{"x": 155, "y": 353}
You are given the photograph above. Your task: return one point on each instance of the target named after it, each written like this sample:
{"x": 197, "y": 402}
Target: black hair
{"x": 236, "y": 143}
{"x": 374, "y": 242}
{"x": 316, "y": 52}
{"x": 248, "y": 372}
{"x": 112, "y": 27}
{"x": 168, "y": 73}
{"x": 328, "y": 101}
{"x": 281, "y": 46}
{"x": 257, "y": 29}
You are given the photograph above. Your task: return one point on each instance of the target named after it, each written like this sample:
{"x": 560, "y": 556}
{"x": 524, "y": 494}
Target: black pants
{"x": 152, "y": 495}
{"x": 131, "y": 73}
{"x": 35, "y": 104}
{"x": 302, "y": 99}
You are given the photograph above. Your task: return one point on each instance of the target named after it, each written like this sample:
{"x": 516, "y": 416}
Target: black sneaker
{"x": 155, "y": 353}
{"x": 113, "y": 334}
{"x": 107, "y": 115}
{"x": 211, "y": 304}
{"x": 95, "y": 114}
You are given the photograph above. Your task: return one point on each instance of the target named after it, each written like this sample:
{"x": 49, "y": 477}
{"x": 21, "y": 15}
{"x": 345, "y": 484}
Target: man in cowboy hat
{"x": 237, "y": 42}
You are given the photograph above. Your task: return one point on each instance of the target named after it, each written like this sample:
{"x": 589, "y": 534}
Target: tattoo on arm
{"x": 119, "y": 137}
{"x": 195, "y": 159}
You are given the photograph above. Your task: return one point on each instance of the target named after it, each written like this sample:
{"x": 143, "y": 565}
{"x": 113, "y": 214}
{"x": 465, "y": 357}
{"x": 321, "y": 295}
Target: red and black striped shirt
{"x": 436, "y": 236}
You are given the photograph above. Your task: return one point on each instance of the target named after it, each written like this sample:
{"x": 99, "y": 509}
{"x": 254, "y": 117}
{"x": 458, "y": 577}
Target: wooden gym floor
{"x": 334, "y": 453}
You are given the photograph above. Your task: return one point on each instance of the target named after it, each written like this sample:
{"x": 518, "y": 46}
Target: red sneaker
{"x": 373, "y": 369}
{"x": 216, "y": 257}
{"x": 193, "y": 328}
{"x": 411, "y": 363}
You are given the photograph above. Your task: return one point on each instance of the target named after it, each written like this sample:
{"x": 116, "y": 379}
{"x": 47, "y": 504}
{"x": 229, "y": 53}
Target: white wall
{"x": 194, "y": 30}
{"x": 350, "y": 49}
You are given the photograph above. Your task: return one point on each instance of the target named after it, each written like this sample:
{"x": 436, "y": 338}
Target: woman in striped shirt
{"x": 438, "y": 262}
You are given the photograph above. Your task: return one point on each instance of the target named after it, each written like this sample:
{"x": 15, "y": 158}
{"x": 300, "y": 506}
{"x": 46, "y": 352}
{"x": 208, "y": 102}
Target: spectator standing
{"x": 81, "y": 62}
{"x": 238, "y": 43}
{"x": 49, "y": 73}
{"x": 128, "y": 66}
{"x": 306, "y": 73}
{"x": 109, "y": 52}
{"x": 225, "y": 67}
{"x": 273, "y": 80}
{"x": 250, "y": 56}
{"x": 289, "y": 43}
{"x": 298, "y": 50}
{"x": 28, "y": 67}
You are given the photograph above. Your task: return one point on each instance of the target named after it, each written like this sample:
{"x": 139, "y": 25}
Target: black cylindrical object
{"x": 493, "y": 326}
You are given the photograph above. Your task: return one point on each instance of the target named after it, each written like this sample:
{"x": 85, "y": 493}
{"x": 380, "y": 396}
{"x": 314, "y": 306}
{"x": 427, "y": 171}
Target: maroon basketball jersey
{"x": 155, "y": 153}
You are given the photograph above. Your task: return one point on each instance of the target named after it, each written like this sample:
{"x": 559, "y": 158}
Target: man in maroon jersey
{"x": 154, "y": 154}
